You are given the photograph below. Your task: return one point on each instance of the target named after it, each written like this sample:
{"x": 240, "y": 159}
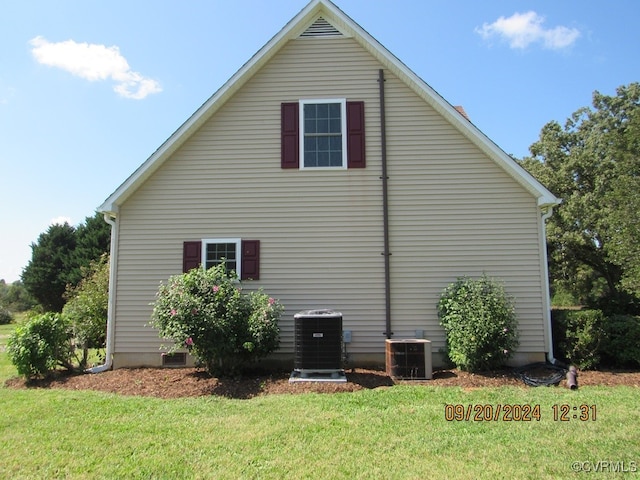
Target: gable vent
{"x": 321, "y": 28}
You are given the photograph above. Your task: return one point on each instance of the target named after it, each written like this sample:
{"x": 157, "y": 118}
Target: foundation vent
{"x": 174, "y": 359}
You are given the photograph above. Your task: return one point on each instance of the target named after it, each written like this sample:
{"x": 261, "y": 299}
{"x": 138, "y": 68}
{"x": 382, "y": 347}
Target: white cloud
{"x": 94, "y": 62}
{"x": 523, "y": 29}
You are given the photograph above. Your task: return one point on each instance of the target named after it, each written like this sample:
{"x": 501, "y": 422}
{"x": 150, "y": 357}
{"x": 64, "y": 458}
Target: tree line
{"x": 592, "y": 163}
{"x": 13, "y": 298}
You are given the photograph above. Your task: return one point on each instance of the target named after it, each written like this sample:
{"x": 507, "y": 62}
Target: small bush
{"x": 86, "y": 309}
{"x": 207, "y": 313}
{"x": 584, "y": 333}
{"x": 5, "y": 316}
{"x": 480, "y": 322}
{"x": 620, "y": 346}
{"x": 41, "y": 345}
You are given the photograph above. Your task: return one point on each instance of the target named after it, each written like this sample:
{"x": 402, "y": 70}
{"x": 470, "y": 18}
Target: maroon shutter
{"x": 250, "y": 260}
{"x": 355, "y": 135}
{"x": 191, "y": 255}
{"x": 290, "y": 157}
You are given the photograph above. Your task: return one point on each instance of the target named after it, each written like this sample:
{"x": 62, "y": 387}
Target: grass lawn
{"x": 396, "y": 432}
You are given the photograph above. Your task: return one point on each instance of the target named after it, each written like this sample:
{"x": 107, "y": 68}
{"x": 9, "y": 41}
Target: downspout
{"x": 545, "y": 262}
{"x": 111, "y": 306}
{"x": 385, "y": 208}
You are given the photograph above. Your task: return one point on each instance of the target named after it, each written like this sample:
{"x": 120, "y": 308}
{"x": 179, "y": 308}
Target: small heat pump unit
{"x": 409, "y": 359}
{"x": 318, "y": 341}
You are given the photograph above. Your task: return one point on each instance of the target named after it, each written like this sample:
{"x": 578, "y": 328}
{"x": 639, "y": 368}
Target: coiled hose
{"x": 558, "y": 373}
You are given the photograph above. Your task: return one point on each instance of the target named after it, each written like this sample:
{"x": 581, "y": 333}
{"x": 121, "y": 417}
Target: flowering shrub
{"x": 480, "y": 322}
{"x": 206, "y": 312}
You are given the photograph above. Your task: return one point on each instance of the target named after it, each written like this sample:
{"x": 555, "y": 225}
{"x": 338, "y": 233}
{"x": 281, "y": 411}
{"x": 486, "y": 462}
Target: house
{"x": 336, "y": 178}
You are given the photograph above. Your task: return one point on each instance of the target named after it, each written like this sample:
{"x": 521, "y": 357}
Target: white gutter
{"x": 545, "y": 262}
{"x": 111, "y": 306}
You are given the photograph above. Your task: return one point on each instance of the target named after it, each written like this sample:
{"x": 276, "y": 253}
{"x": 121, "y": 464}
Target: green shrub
{"x": 559, "y": 332}
{"x": 206, "y": 312}
{"x": 41, "y": 345}
{"x": 620, "y": 346}
{"x": 480, "y": 323}
{"x": 563, "y": 298}
{"x": 86, "y": 309}
{"x": 5, "y": 316}
{"x": 584, "y": 333}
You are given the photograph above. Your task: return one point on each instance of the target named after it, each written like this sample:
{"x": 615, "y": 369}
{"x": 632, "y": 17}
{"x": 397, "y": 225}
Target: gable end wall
{"x": 452, "y": 211}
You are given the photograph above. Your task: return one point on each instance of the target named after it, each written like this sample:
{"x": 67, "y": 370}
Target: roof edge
{"x": 292, "y": 29}
{"x": 449, "y": 111}
{"x": 209, "y": 107}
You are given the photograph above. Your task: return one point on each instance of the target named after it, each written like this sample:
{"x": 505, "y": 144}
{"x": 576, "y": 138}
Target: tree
{"x": 86, "y": 309}
{"x": 59, "y": 256}
{"x": 15, "y": 297}
{"x": 624, "y": 198}
{"x": 592, "y": 163}
{"x": 48, "y": 273}
{"x": 93, "y": 239}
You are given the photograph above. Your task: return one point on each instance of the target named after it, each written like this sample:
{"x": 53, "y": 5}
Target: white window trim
{"x": 343, "y": 118}
{"x": 237, "y": 241}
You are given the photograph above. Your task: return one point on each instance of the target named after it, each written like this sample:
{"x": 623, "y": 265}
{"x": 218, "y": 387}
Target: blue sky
{"x": 89, "y": 89}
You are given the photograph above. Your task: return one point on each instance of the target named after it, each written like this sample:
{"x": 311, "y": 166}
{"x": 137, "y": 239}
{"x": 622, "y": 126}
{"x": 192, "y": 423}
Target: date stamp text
{"x": 518, "y": 413}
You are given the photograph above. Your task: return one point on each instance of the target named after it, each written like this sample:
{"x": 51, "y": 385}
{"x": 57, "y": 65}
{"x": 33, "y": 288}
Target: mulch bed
{"x": 191, "y": 382}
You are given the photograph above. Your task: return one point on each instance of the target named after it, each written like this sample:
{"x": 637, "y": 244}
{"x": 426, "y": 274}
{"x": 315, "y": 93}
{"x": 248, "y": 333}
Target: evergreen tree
{"x": 93, "y": 239}
{"x": 49, "y": 271}
{"x": 59, "y": 258}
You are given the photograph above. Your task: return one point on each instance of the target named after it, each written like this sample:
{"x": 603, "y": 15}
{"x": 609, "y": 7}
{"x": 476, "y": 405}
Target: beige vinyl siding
{"x": 316, "y": 228}
{"x": 453, "y": 211}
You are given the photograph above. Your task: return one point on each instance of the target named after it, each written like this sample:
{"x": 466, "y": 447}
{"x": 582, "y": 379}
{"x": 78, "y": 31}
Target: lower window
{"x": 241, "y": 256}
{"x": 215, "y": 251}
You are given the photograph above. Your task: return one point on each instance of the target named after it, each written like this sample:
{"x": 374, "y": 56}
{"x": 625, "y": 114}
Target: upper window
{"x": 322, "y": 134}
{"x": 323, "y": 142}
